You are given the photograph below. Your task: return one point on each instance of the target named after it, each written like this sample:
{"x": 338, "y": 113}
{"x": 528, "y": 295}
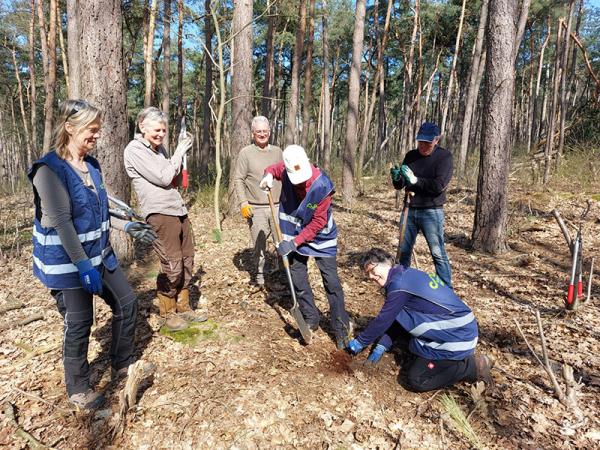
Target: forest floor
{"x": 244, "y": 380}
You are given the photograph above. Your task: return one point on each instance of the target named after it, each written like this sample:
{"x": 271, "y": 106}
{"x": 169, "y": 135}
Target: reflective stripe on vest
{"x": 54, "y": 239}
{"x": 60, "y": 269}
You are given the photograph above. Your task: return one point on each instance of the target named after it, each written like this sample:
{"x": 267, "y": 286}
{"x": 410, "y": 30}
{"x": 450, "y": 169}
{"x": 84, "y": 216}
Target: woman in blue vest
{"x": 440, "y": 328}
{"x": 71, "y": 249}
{"x": 308, "y": 228}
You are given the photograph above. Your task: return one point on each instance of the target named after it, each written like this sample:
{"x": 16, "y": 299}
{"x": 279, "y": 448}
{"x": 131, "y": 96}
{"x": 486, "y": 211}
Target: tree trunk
{"x": 49, "y": 61}
{"x": 353, "y": 105}
{"x": 241, "y": 85}
{"x": 33, "y": 96}
{"x": 473, "y": 88}
{"x": 208, "y": 92}
{"x": 291, "y": 129}
{"x": 407, "y": 82}
{"x": 166, "y": 75}
{"x": 552, "y": 115}
{"x": 376, "y": 86}
{"x": 308, "y": 77}
{"x": 22, "y": 108}
{"x": 535, "y": 110}
{"x": 63, "y": 52}
{"x": 103, "y": 83}
{"x": 563, "y": 84}
{"x": 73, "y": 48}
{"x": 326, "y": 144}
{"x": 180, "y": 102}
{"x": 491, "y": 214}
{"x": 269, "y": 83}
{"x": 148, "y": 50}
{"x": 453, "y": 69}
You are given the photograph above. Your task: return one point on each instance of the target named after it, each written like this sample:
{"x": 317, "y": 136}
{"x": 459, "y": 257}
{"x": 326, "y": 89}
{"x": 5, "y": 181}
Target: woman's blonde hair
{"x": 150, "y": 114}
{"x": 79, "y": 114}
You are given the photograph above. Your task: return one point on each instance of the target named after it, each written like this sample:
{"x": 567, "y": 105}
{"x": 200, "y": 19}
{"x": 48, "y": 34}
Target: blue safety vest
{"x": 449, "y": 335}
{"x": 89, "y": 211}
{"x": 294, "y": 215}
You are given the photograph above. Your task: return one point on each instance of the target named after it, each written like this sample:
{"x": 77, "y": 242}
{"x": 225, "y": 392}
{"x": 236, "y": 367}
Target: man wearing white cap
{"x": 308, "y": 228}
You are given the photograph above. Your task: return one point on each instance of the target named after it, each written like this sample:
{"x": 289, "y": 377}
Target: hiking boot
{"x": 88, "y": 400}
{"x": 193, "y": 316}
{"x": 483, "y": 367}
{"x": 174, "y": 322}
{"x": 168, "y": 311}
{"x": 183, "y": 301}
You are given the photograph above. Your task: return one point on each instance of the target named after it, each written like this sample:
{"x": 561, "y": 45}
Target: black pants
{"x": 426, "y": 374}
{"x": 75, "y": 305}
{"x": 333, "y": 289}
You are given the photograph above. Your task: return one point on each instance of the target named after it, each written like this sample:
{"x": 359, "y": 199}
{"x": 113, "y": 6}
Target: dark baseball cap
{"x": 428, "y": 132}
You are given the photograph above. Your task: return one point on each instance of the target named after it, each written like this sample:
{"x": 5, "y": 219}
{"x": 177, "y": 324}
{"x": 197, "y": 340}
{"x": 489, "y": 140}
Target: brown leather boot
{"x": 184, "y": 308}
{"x": 168, "y": 310}
{"x": 183, "y": 301}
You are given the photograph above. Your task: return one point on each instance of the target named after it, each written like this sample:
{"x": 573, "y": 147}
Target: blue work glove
{"x": 375, "y": 355}
{"x": 408, "y": 174}
{"x": 286, "y": 247}
{"x": 91, "y": 280}
{"x": 355, "y": 347}
{"x": 140, "y": 231}
{"x": 395, "y": 173}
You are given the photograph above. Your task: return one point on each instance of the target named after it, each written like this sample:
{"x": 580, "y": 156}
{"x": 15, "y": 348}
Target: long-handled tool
{"x": 407, "y": 196}
{"x": 123, "y": 210}
{"x": 571, "y": 292}
{"x": 295, "y": 309}
{"x": 184, "y": 170}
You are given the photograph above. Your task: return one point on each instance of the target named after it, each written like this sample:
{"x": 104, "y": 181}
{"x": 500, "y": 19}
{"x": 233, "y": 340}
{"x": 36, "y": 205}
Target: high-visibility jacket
{"x": 452, "y": 334}
{"x": 295, "y": 214}
{"x": 89, "y": 210}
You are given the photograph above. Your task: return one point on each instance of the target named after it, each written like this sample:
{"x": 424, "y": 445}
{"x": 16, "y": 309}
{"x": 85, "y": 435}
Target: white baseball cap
{"x": 297, "y": 164}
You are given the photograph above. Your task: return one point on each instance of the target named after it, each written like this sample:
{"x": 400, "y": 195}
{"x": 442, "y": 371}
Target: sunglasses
{"x": 77, "y": 106}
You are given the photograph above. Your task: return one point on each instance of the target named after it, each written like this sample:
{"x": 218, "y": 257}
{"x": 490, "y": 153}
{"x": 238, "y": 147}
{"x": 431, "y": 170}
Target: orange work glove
{"x": 247, "y": 212}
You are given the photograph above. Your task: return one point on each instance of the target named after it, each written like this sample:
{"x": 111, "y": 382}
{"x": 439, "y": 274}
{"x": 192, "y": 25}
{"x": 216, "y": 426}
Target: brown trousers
{"x": 261, "y": 228}
{"x": 175, "y": 249}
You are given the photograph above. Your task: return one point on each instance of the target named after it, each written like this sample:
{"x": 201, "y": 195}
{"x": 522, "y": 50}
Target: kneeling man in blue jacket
{"x": 441, "y": 329}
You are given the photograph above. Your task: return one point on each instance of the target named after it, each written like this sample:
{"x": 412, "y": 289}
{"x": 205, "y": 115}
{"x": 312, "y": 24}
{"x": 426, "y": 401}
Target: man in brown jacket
{"x": 254, "y": 204}
{"x": 155, "y": 176}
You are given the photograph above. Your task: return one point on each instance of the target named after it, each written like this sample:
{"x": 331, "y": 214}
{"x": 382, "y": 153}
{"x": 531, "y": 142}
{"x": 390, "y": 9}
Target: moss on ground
{"x": 199, "y": 331}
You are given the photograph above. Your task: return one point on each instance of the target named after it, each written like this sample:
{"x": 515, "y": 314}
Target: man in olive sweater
{"x": 426, "y": 171}
{"x": 254, "y": 204}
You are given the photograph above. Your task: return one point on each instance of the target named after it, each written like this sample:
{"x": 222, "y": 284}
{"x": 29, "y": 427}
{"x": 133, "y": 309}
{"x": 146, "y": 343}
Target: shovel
{"x": 295, "y": 310}
{"x": 407, "y": 196}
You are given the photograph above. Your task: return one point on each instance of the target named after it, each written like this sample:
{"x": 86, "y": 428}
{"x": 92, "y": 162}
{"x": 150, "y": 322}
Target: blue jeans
{"x": 430, "y": 222}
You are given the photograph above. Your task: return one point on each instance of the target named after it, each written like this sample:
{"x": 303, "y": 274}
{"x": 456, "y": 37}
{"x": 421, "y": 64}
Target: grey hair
{"x": 259, "y": 119}
{"x": 150, "y": 114}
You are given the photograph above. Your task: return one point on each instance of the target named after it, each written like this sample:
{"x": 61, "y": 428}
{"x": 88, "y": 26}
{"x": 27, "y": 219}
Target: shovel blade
{"x": 302, "y": 326}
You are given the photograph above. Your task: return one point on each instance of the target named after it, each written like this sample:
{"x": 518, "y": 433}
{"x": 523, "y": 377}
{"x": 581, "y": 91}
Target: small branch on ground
{"x": 9, "y": 412}
{"x": 589, "y": 286}
{"x": 569, "y": 398}
{"x": 22, "y": 322}
{"x": 563, "y": 228}
{"x": 11, "y": 307}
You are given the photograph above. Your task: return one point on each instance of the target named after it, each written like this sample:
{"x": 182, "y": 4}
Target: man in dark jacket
{"x": 440, "y": 328}
{"x": 426, "y": 171}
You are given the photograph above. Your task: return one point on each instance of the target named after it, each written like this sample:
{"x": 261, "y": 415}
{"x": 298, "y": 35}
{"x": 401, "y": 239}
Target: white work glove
{"x": 267, "y": 182}
{"x": 184, "y": 144}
